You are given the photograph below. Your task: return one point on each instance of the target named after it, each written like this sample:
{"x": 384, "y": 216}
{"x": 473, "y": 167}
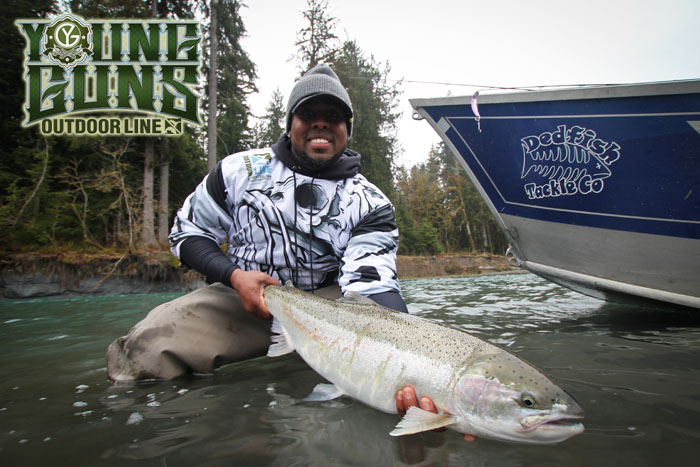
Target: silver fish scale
{"x": 364, "y": 349}
{"x": 459, "y": 348}
{"x": 401, "y": 330}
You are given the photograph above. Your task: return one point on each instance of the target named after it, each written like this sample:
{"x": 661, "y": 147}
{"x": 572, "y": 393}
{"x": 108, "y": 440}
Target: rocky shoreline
{"x": 73, "y": 274}
{"x": 411, "y": 267}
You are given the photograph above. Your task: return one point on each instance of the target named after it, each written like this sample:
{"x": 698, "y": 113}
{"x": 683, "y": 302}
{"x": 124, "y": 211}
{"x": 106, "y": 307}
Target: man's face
{"x": 319, "y": 129}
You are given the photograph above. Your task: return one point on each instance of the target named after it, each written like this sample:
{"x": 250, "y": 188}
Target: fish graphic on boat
{"x": 571, "y": 160}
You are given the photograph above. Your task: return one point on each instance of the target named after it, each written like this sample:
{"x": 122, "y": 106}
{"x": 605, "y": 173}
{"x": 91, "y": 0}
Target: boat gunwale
{"x": 611, "y": 91}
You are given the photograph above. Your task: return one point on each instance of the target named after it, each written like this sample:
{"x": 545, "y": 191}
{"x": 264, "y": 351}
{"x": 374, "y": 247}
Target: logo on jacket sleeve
{"x": 258, "y": 167}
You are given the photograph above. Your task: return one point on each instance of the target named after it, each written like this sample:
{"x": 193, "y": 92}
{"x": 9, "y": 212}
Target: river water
{"x": 636, "y": 373}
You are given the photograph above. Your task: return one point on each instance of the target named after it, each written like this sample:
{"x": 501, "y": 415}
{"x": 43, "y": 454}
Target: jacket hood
{"x": 346, "y": 166}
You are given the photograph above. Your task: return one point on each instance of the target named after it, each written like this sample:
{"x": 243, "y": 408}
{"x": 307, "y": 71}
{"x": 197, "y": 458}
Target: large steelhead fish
{"x": 369, "y": 352}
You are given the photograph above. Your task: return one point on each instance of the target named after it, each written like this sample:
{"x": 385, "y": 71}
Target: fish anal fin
{"x": 417, "y": 420}
{"x": 280, "y": 343}
{"x": 324, "y": 392}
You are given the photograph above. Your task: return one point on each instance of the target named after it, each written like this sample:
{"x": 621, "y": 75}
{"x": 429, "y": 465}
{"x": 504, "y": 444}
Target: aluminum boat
{"x": 596, "y": 188}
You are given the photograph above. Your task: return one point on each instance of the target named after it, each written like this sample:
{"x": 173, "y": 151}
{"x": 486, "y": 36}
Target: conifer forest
{"x": 118, "y": 194}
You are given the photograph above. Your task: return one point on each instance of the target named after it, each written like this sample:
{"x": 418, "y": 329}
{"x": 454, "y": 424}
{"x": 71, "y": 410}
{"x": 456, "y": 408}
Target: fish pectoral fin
{"x": 280, "y": 342}
{"x": 324, "y": 392}
{"x": 356, "y": 298}
{"x": 417, "y": 420}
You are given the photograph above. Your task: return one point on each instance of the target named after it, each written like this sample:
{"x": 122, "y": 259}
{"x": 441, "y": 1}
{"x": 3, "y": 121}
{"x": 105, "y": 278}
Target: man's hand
{"x": 250, "y": 285}
{"x": 406, "y": 398}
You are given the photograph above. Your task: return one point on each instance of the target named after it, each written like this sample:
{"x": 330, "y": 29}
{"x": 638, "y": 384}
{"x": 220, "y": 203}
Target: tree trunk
{"x": 211, "y": 122}
{"x": 163, "y": 214}
{"x": 484, "y": 232}
{"x": 463, "y": 206}
{"x": 148, "y": 237}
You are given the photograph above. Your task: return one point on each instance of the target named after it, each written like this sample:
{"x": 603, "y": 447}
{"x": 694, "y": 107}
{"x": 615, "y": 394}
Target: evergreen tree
{"x": 439, "y": 193}
{"x": 317, "y": 42}
{"x": 235, "y": 73}
{"x": 408, "y": 237}
{"x": 25, "y": 157}
{"x": 374, "y": 104}
{"x": 416, "y": 191}
{"x": 427, "y": 238}
{"x": 272, "y": 124}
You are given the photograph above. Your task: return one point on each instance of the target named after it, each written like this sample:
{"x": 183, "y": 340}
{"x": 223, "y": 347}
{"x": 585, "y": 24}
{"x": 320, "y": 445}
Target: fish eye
{"x": 527, "y": 400}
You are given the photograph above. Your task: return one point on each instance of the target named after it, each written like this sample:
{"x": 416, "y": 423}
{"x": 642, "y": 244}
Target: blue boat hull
{"x": 597, "y": 189}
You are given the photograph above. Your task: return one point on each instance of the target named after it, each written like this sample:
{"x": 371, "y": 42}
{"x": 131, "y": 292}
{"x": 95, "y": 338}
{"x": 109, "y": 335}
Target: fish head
{"x": 502, "y": 397}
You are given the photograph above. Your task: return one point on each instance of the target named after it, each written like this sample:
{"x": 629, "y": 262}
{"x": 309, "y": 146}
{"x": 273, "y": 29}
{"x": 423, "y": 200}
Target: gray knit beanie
{"x": 320, "y": 80}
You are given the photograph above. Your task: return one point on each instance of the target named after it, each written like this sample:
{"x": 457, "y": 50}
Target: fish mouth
{"x": 556, "y": 423}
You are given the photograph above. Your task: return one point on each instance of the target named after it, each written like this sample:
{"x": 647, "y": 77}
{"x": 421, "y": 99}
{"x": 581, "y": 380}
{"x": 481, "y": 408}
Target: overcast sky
{"x": 485, "y": 43}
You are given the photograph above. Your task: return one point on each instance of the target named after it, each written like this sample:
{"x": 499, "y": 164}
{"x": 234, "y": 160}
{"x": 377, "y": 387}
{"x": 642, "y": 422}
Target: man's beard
{"x": 314, "y": 165}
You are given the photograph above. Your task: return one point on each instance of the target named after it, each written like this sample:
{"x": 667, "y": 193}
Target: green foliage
{"x": 451, "y": 212}
{"x": 317, "y": 42}
{"x": 87, "y": 192}
{"x": 374, "y": 104}
{"x": 272, "y": 124}
{"x": 15, "y": 141}
{"x": 23, "y": 162}
{"x": 78, "y": 192}
{"x": 408, "y": 239}
{"x": 416, "y": 239}
{"x": 427, "y": 238}
{"x": 235, "y": 78}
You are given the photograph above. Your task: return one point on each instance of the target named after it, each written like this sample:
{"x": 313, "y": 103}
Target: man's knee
{"x": 196, "y": 332}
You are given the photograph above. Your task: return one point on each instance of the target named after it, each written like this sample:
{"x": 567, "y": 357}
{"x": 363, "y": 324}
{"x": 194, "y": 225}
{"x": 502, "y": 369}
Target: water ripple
{"x": 495, "y": 303}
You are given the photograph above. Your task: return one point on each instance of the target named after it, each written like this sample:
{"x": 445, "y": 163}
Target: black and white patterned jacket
{"x": 311, "y": 229}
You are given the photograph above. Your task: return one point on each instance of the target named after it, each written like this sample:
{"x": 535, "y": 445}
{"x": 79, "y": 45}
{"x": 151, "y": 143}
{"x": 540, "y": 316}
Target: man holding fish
{"x": 297, "y": 212}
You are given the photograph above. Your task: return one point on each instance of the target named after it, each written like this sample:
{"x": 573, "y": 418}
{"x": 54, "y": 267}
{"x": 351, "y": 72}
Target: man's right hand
{"x": 406, "y": 397}
{"x": 250, "y": 286}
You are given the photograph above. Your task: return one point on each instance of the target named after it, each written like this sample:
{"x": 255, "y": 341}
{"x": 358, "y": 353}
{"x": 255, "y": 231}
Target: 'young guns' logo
{"x": 568, "y": 161}
{"x": 74, "y": 66}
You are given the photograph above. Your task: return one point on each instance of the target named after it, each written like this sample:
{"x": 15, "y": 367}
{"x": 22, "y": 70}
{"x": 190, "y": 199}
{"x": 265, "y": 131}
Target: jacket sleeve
{"x": 205, "y": 256}
{"x": 205, "y": 212}
{"x": 368, "y": 265}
